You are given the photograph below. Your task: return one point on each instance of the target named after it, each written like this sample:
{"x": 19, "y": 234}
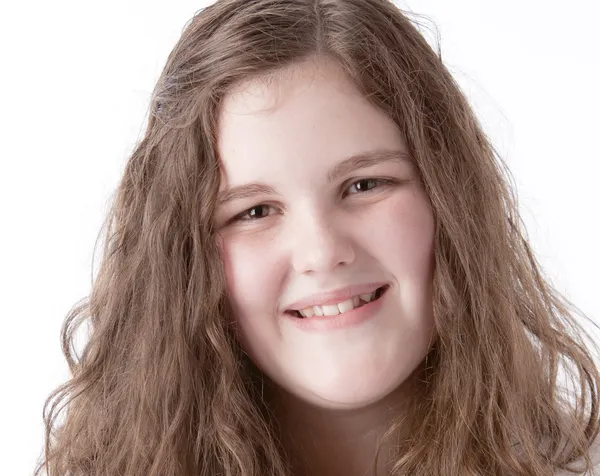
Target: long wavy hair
{"x": 162, "y": 388}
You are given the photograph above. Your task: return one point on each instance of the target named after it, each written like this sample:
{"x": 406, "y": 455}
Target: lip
{"x": 333, "y": 297}
{"x": 352, "y": 318}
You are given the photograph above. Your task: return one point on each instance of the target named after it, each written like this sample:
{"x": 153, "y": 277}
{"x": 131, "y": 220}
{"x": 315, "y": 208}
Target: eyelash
{"x": 382, "y": 183}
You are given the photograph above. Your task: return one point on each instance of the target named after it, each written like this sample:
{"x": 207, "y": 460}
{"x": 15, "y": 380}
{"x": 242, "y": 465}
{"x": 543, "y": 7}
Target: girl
{"x": 315, "y": 265}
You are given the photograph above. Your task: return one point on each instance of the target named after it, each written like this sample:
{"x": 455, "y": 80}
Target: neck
{"x": 332, "y": 441}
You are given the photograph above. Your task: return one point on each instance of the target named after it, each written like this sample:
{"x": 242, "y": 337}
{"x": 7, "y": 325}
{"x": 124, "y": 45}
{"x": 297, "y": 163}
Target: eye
{"x": 364, "y": 185}
{"x": 255, "y": 213}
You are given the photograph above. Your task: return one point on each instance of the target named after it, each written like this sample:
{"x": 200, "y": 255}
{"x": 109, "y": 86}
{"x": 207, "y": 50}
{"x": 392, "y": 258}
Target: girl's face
{"x": 305, "y": 224}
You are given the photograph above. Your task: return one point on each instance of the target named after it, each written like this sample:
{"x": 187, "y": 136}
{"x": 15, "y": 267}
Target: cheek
{"x": 251, "y": 277}
{"x": 252, "y": 284}
{"x": 405, "y": 242}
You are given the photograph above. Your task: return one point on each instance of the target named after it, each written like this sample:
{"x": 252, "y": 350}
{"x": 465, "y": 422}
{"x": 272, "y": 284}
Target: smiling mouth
{"x": 378, "y": 293}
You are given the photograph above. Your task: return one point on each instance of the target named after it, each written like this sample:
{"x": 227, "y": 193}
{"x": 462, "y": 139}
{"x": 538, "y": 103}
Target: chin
{"x": 350, "y": 398}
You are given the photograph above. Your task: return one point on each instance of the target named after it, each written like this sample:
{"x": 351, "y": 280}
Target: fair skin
{"x": 335, "y": 390}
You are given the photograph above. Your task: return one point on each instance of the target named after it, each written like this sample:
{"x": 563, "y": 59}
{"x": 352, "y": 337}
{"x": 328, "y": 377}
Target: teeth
{"x": 340, "y": 308}
{"x": 368, "y": 297}
{"x": 346, "y": 306}
{"x": 308, "y": 312}
{"x": 331, "y": 310}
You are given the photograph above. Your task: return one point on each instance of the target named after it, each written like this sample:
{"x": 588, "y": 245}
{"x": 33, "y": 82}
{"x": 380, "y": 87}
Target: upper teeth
{"x": 339, "y": 308}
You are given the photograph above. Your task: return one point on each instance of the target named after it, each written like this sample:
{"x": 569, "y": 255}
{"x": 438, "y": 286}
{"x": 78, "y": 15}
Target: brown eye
{"x": 364, "y": 183}
{"x": 254, "y": 213}
{"x": 260, "y": 213}
{"x": 368, "y": 184}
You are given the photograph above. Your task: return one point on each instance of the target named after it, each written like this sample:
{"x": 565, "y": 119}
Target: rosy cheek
{"x": 247, "y": 273}
{"x": 249, "y": 282}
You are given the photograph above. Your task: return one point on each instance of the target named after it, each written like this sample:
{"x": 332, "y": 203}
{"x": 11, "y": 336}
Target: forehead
{"x": 309, "y": 115}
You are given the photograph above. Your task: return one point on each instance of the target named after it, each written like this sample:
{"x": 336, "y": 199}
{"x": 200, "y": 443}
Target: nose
{"x": 319, "y": 243}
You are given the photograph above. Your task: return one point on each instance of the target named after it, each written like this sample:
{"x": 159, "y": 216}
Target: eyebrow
{"x": 358, "y": 161}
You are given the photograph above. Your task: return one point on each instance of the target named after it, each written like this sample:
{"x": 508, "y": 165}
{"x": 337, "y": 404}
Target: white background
{"x": 76, "y": 78}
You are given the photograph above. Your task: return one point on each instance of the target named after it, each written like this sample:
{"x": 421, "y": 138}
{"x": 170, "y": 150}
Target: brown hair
{"x": 162, "y": 387}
